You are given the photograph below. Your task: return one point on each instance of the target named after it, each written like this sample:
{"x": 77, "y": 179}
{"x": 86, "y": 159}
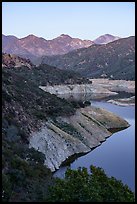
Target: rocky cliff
{"x": 66, "y": 136}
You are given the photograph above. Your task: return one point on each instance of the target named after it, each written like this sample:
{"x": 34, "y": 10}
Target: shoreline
{"x": 123, "y": 101}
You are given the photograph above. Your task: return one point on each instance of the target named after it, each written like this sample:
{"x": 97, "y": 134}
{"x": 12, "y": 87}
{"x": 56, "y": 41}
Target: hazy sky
{"x": 85, "y": 20}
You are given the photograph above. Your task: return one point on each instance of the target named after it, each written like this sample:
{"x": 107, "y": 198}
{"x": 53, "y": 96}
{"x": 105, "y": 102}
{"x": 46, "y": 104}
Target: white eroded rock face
{"x": 98, "y": 86}
{"x": 87, "y": 129}
{"x": 57, "y": 146}
{"x": 76, "y": 88}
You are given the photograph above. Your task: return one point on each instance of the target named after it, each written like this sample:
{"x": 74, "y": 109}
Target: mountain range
{"x": 32, "y": 46}
{"x": 107, "y": 56}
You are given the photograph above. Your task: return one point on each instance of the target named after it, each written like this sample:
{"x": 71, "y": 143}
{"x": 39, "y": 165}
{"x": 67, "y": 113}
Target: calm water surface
{"x": 117, "y": 154}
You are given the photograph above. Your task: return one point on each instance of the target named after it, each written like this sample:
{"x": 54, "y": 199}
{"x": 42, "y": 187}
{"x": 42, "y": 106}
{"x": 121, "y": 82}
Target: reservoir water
{"x": 117, "y": 154}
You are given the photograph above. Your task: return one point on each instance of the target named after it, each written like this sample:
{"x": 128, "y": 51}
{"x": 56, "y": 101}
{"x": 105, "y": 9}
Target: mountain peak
{"x": 106, "y": 38}
{"x": 31, "y": 36}
{"x": 109, "y": 35}
{"x": 64, "y": 36}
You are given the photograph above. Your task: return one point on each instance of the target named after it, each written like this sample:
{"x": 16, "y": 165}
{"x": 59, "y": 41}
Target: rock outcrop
{"x": 11, "y": 60}
{"x": 66, "y": 136}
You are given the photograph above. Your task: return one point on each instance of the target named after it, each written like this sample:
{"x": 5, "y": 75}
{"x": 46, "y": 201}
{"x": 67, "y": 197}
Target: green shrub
{"x": 79, "y": 186}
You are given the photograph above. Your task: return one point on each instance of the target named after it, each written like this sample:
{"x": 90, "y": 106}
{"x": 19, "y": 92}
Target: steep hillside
{"x": 25, "y": 107}
{"x": 114, "y": 60}
{"x": 33, "y": 46}
{"x": 24, "y": 104}
{"x": 43, "y": 74}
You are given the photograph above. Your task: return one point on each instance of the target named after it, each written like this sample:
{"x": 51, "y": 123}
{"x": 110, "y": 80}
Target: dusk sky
{"x": 84, "y": 20}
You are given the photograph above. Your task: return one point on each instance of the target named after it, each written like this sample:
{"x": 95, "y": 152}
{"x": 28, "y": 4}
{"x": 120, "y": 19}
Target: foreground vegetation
{"x": 79, "y": 186}
{"x": 24, "y": 177}
{"x": 30, "y": 181}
